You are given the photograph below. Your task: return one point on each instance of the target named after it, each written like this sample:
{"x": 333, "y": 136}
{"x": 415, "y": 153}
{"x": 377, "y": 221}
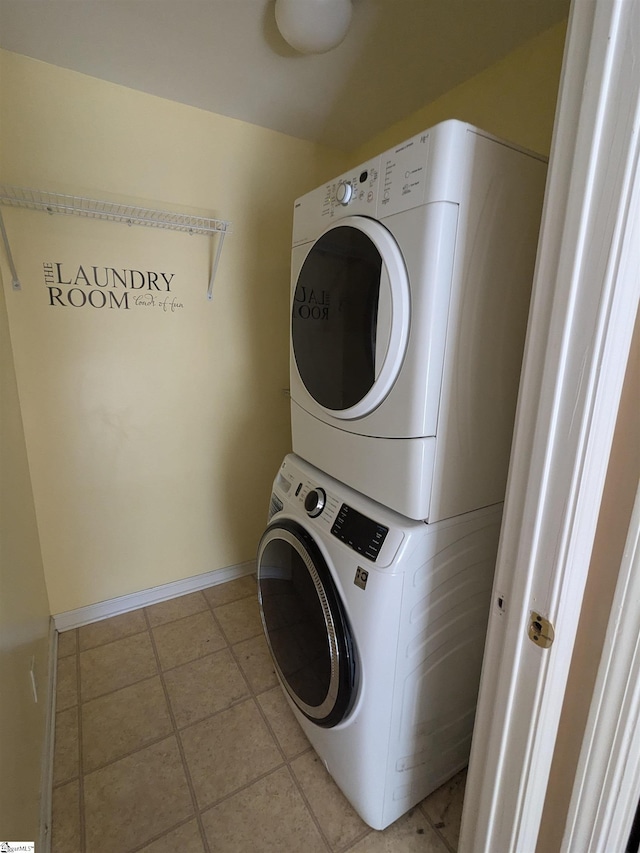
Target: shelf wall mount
{"x": 51, "y": 203}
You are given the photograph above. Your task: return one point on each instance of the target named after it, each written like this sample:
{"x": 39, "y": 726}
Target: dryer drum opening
{"x": 334, "y": 312}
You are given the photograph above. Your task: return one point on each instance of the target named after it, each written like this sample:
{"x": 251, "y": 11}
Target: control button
{"x": 344, "y": 192}
{"x": 363, "y": 176}
{"x": 314, "y": 502}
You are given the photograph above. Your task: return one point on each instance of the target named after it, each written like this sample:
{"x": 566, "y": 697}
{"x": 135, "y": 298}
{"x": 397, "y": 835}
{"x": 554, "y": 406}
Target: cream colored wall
{"x": 153, "y": 435}
{"x": 514, "y": 99}
{"x": 24, "y": 618}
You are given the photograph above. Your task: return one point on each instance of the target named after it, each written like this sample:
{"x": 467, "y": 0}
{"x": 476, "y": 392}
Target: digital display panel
{"x": 359, "y": 532}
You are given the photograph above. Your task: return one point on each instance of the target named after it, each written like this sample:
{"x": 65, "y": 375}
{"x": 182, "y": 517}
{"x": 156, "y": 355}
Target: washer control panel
{"x": 314, "y": 501}
{"x": 359, "y": 532}
{"x": 297, "y": 492}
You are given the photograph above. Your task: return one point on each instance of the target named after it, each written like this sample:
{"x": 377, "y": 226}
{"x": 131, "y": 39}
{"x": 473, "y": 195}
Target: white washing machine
{"x": 411, "y": 279}
{"x": 376, "y": 624}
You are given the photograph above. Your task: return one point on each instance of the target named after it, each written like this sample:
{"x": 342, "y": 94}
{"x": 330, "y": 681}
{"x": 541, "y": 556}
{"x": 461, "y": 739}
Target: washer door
{"x": 305, "y": 624}
{"x": 350, "y": 317}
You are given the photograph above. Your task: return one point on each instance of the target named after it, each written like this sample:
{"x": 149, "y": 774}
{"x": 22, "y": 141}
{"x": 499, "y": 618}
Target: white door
{"x": 584, "y": 304}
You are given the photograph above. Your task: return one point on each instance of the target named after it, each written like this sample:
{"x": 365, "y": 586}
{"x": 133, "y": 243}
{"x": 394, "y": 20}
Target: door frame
{"x": 585, "y": 299}
{"x": 606, "y": 788}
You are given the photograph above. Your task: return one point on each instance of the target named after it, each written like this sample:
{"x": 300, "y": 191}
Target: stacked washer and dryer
{"x": 411, "y": 280}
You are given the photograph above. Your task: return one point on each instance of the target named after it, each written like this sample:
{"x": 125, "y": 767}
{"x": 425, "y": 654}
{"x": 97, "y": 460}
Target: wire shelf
{"x": 111, "y": 211}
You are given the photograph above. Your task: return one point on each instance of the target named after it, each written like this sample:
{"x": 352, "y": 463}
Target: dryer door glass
{"x": 305, "y": 624}
{"x": 349, "y": 318}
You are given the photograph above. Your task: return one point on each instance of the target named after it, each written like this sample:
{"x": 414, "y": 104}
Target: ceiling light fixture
{"x": 313, "y": 26}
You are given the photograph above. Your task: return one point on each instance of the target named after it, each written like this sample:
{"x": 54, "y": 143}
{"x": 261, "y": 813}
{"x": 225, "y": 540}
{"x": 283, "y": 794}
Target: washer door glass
{"x": 305, "y": 624}
{"x": 350, "y": 317}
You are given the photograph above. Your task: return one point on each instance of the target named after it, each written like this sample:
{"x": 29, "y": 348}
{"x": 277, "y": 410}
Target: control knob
{"x": 314, "y": 502}
{"x": 344, "y": 191}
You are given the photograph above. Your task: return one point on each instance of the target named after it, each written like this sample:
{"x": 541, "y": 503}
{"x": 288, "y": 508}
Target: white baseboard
{"x": 46, "y": 781}
{"x": 124, "y": 603}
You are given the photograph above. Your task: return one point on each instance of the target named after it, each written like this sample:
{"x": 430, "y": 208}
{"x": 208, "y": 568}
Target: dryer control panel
{"x": 357, "y": 190}
{"x": 354, "y": 193}
{"x": 435, "y": 165}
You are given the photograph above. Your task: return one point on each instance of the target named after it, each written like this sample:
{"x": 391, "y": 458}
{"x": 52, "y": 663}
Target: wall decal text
{"x": 108, "y": 287}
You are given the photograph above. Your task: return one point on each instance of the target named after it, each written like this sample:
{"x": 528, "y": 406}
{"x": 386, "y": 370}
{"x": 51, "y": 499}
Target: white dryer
{"x": 376, "y": 624}
{"x": 411, "y": 279}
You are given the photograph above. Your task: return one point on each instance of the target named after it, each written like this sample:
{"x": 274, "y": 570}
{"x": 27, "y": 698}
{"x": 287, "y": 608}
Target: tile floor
{"x": 172, "y": 734}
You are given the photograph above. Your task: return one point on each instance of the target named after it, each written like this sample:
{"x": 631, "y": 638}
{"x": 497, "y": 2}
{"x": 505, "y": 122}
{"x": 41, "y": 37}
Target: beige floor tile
{"x": 65, "y": 826}
{"x": 270, "y": 817}
{"x": 176, "y": 608}
{"x": 66, "y": 759}
{"x": 444, "y": 808}
{"x": 286, "y": 728}
{"x": 228, "y": 751}
{"x": 66, "y": 683}
{"x": 411, "y": 833}
{"x": 133, "y": 800}
{"x": 135, "y": 788}
{"x": 67, "y": 643}
{"x": 240, "y": 620}
{"x": 204, "y": 687}
{"x": 108, "y": 630}
{"x": 224, "y": 593}
{"x": 185, "y": 839}
{"x": 123, "y": 721}
{"x": 116, "y": 665}
{"x": 339, "y": 821}
{"x": 187, "y": 639}
{"x": 255, "y": 660}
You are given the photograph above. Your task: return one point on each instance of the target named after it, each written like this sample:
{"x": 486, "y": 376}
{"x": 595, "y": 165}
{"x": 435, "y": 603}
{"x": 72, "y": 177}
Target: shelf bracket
{"x": 15, "y": 281}
{"x": 214, "y": 266}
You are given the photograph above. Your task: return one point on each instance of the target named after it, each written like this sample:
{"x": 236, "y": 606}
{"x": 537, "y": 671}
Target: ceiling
{"x": 227, "y": 56}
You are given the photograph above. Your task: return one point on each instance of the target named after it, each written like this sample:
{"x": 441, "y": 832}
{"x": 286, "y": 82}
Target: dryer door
{"x": 350, "y": 317}
{"x": 305, "y": 624}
